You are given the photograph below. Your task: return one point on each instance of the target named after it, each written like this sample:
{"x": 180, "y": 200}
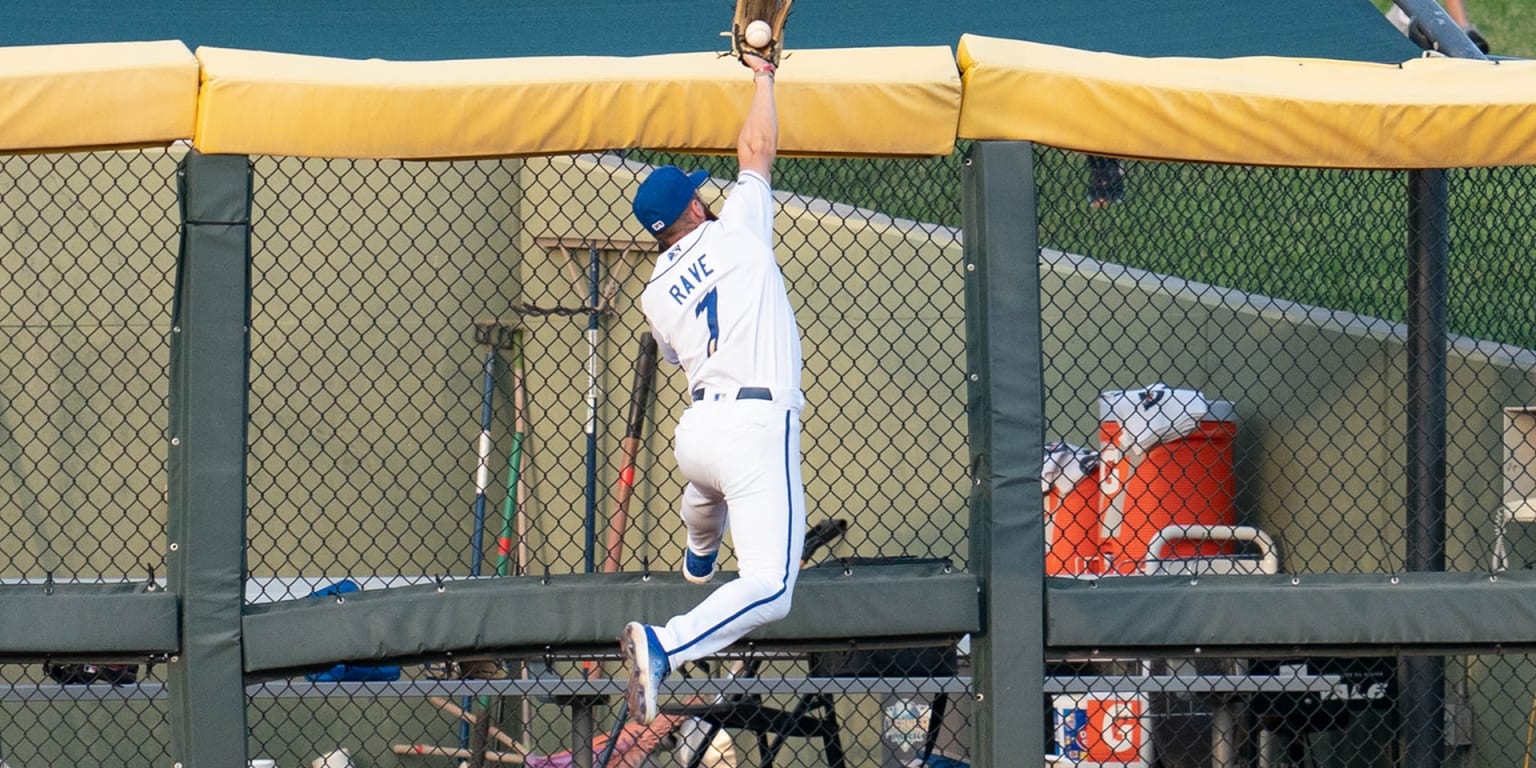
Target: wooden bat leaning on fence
{"x": 494, "y": 732}
{"x": 429, "y": 750}
{"x": 634, "y": 430}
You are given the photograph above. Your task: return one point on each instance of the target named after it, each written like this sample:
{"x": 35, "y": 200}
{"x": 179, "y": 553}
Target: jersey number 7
{"x": 709, "y": 307}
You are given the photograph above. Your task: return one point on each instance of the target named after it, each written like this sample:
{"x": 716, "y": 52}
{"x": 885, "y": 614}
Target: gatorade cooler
{"x": 1069, "y": 479}
{"x": 1072, "y": 530}
{"x": 1096, "y": 730}
{"x": 1185, "y": 478}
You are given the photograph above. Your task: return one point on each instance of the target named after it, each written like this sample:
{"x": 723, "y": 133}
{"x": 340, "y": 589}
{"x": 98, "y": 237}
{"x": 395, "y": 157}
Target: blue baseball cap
{"x": 664, "y": 195}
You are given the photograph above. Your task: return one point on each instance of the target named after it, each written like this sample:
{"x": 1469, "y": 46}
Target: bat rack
{"x": 571, "y": 247}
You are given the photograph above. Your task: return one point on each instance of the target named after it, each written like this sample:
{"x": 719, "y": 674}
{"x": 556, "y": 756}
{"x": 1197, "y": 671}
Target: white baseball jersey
{"x": 717, "y": 305}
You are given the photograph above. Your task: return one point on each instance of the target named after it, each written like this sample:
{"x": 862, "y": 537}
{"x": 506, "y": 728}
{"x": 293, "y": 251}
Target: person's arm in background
{"x": 1458, "y": 12}
{"x": 758, "y": 143}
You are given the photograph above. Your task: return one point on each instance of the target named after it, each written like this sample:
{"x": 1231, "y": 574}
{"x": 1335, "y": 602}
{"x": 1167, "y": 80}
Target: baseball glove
{"x": 774, "y": 13}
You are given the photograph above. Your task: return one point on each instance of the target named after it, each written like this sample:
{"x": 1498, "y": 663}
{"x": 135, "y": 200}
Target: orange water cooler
{"x": 1185, "y": 479}
{"x": 1072, "y": 530}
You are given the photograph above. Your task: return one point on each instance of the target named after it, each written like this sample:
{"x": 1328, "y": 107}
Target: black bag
{"x": 86, "y": 674}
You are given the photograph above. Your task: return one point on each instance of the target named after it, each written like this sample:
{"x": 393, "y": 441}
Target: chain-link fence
{"x": 1273, "y": 304}
{"x": 83, "y": 714}
{"x": 87, "y": 261}
{"x": 443, "y": 360}
{"x": 442, "y": 357}
{"x": 87, "y": 258}
{"x": 754, "y": 710}
{"x": 1295, "y": 711}
{"x": 1227, "y": 379}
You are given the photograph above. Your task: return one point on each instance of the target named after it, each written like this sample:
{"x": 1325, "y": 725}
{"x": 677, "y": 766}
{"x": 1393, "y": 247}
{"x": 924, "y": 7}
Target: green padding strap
{"x": 1423, "y": 610}
{"x": 85, "y": 619}
{"x": 588, "y": 610}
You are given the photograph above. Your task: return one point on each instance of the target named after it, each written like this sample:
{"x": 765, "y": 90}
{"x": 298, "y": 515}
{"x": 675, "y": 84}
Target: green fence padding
{"x": 1006, "y": 443}
{"x": 1370, "y": 612}
{"x": 574, "y": 611}
{"x": 205, "y": 463}
{"x": 85, "y": 619}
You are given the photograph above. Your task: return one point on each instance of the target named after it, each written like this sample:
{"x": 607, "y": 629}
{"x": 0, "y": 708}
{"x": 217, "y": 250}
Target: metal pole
{"x": 486, "y": 334}
{"x": 1439, "y": 28}
{"x": 1422, "y": 704}
{"x": 583, "y": 727}
{"x": 1423, "y": 677}
{"x": 1428, "y": 331}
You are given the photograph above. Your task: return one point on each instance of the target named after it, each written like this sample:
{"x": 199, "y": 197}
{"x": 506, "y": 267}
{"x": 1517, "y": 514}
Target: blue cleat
{"x": 699, "y": 569}
{"x": 647, "y": 668}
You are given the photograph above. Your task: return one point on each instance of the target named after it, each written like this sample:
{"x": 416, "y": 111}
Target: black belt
{"x": 745, "y": 393}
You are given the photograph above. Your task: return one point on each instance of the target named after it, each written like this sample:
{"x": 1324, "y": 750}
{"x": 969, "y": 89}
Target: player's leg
{"x": 758, "y": 462}
{"x": 754, "y": 452}
{"x": 704, "y": 517}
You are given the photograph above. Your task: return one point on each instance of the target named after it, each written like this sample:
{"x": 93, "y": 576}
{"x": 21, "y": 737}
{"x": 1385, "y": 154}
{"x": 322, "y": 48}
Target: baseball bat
{"x": 512, "y": 508}
{"x": 600, "y": 760}
{"x": 594, "y": 326}
{"x": 493, "y": 731}
{"x": 427, "y": 749}
{"x": 483, "y": 446}
{"x": 639, "y": 397}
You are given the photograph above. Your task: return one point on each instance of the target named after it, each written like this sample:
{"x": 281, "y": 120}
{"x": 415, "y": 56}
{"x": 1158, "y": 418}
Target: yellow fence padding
{"x": 1424, "y": 113}
{"x": 94, "y": 95}
{"x": 876, "y": 101}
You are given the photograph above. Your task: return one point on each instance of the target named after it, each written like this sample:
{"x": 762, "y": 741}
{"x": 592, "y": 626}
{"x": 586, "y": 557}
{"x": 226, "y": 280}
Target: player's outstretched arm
{"x": 758, "y": 144}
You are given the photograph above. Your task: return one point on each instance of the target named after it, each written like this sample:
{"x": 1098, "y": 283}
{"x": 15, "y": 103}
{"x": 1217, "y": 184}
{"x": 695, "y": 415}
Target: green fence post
{"x": 1006, "y": 415}
{"x": 205, "y": 524}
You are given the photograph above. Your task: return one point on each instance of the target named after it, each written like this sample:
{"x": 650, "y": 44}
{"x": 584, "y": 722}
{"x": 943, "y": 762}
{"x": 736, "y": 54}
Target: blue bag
{"x": 349, "y": 673}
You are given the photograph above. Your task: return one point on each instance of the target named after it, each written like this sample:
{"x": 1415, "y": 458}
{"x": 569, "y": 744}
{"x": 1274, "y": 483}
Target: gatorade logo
{"x": 1107, "y": 731}
{"x": 1117, "y": 726}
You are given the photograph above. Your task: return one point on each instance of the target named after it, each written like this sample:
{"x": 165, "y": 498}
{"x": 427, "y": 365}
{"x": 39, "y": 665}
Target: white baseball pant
{"x": 742, "y": 462}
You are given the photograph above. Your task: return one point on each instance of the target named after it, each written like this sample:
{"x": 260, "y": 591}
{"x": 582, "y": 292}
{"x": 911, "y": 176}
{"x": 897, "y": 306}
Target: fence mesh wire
{"x": 398, "y": 306}
{"x": 1226, "y": 368}
{"x": 87, "y": 257}
{"x": 555, "y": 719}
{"x": 77, "y": 714}
{"x": 441, "y": 364}
{"x": 1273, "y": 303}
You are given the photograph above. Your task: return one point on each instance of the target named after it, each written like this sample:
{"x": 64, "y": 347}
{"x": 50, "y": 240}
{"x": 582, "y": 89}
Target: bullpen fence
{"x": 402, "y": 311}
{"x": 441, "y": 367}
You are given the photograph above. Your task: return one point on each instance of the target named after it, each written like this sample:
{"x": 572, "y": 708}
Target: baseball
{"x": 759, "y": 33}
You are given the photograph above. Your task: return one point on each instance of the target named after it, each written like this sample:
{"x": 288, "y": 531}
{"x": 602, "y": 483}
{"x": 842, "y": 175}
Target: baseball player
{"x": 717, "y": 306}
